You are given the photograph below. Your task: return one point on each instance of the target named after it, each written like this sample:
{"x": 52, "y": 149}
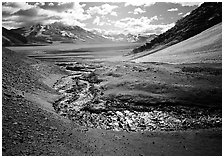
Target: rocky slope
{"x": 200, "y": 19}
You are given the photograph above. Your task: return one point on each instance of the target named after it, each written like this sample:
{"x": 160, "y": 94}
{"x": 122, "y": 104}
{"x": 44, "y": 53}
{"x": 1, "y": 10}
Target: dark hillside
{"x": 200, "y": 19}
{"x": 10, "y": 37}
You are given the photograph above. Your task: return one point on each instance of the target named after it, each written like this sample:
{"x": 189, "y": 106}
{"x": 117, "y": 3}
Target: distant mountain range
{"x": 59, "y": 32}
{"x": 200, "y": 19}
{"x": 140, "y": 38}
{"x": 42, "y": 34}
{"x": 131, "y": 38}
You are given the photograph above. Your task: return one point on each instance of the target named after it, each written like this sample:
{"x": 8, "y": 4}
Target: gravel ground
{"x": 30, "y": 126}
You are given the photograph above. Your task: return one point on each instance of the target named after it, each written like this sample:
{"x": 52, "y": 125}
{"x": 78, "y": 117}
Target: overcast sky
{"x": 118, "y": 17}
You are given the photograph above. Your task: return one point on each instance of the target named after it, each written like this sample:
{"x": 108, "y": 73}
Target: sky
{"x": 135, "y": 17}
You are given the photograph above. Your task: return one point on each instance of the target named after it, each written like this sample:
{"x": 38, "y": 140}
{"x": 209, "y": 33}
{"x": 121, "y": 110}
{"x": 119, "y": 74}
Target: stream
{"x": 82, "y": 101}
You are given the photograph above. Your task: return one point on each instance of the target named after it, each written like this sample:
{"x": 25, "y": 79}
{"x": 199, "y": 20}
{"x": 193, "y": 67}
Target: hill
{"x": 200, "y": 19}
{"x": 10, "y": 37}
{"x": 205, "y": 47}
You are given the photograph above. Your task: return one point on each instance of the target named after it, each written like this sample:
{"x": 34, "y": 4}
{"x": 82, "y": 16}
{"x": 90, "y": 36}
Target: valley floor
{"x": 36, "y": 121}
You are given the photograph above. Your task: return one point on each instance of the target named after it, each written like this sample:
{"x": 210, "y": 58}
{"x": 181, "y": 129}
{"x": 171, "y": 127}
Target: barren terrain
{"x": 88, "y": 100}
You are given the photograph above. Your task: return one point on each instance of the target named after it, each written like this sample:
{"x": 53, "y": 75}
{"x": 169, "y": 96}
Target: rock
{"x": 114, "y": 118}
{"x": 110, "y": 113}
{"x": 133, "y": 128}
{"x": 129, "y": 121}
{"x": 3, "y": 149}
{"x": 120, "y": 125}
{"x": 127, "y": 112}
{"x": 116, "y": 129}
{"x": 7, "y": 94}
{"x": 116, "y": 124}
{"x": 119, "y": 113}
{"x": 53, "y": 128}
{"x": 41, "y": 134}
{"x": 15, "y": 123}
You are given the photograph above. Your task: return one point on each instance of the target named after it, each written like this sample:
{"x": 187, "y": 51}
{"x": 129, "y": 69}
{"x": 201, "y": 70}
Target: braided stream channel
{"x": 82, "y": 101}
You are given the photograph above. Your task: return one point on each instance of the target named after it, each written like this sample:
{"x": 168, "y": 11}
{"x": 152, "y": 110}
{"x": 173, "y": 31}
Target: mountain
{"x": 205, "y": 47}
{"x": 10, "y": 37}
{"x": 59, "y": 32}
{"x": 145, "y": 38}
{"x": 200, "y": 19}
{"x": 120, "y": 37}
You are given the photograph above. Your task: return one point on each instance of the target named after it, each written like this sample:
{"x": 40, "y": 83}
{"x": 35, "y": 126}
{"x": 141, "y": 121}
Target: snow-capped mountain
{"x": 120, "y": 37}
{"x": 59, "y": 32}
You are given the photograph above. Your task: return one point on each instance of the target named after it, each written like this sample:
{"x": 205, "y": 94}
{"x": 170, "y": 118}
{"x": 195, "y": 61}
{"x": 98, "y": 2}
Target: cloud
{"x": 130, "y": 22}
{"x": 51, "y": 4}
{"x": 24, "y": 14}
{"x": 12, "y": 7}
{"x": 21, "y": 21}
{"x": 104, "y": 9}
{"x": 58, "y": 7}
{"x": 113, "y": 13}
{"x": 189, "y": 3}
{"x": 150, "y": 29}
{"x": 17, "y": 5}
{"x": 97, "y": 21}
{"x": 138, "y": 11}
{"x": 172, "y": 10}
{"x": 140, "y": 25}
{"x": 101, "y": 21}
{"x": 29, "y": 12}
{"x": 139, "y": 3}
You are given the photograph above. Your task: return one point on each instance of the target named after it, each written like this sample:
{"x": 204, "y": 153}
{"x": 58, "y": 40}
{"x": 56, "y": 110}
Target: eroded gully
{"x": 82, "y": 102}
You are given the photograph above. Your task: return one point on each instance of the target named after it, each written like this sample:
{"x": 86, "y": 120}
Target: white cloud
{"x": 96, "y": 20}
{"x": 113, "y": 13}
{"x": 104, "y": 9}
{"x": 72, "y": 16}
{"x": 138, "y": 11}
{"x": 13, "y": 7}
{"x": 189, "y": 3}
{"x": 130, "y": 22}
{"x": 101, "y": 21}
{"x": 149, "y": 29}
{"x": 143, "y": 24}
{"x": 61, "y": 3}
{"x": 172, "y": 10}
{"x": 51, "y": 4}
{"x": 139, "y": 3}
{"x": 42, "y": 3}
